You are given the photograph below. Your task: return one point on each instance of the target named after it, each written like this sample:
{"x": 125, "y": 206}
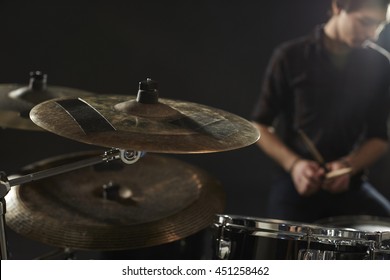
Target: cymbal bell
{"x": 17, "y": 100}
{"x": 112, "y": 206}
{"x": 145, "y": 123}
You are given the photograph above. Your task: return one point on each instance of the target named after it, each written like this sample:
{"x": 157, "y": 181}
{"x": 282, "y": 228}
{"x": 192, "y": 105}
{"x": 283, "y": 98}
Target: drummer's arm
{"x": 365, "y": 155}
{"x": 306, "y": 174}
{"x": 275, "y": 148}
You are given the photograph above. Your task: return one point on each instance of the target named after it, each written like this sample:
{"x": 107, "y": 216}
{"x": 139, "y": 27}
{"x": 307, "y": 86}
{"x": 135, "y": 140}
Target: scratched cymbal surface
{"x": 113, "y": 206}
{"x": 166, "y": 127}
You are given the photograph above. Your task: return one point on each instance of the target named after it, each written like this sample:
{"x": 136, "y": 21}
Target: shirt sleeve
{"x": 273, "y": 90}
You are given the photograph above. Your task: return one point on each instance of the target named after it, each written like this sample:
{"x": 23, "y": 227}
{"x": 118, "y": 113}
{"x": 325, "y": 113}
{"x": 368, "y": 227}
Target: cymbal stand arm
{"x": 6, "y": 184}
{"x": 108, "y": 156}
{"x": 126, "y": 156}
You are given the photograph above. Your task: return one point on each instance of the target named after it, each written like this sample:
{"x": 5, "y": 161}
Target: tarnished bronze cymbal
{"x": 17, "y": 100}
{"x": 160, "y": 125}
{"x": 113, "y": 206}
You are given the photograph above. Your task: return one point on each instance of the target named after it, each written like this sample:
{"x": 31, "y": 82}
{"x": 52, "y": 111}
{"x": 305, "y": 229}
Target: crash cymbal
{"x": 145, "y": 123}
{"x": 112, "y": 206}
{"x": 16, "y": 100}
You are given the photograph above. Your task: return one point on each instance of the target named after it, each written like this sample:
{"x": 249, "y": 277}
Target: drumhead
{"x": 362, "y": 223}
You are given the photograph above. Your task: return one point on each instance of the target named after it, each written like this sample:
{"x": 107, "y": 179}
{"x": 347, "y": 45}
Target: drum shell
{"x": 238, "y": 237}
{"x": 374, "y": 224}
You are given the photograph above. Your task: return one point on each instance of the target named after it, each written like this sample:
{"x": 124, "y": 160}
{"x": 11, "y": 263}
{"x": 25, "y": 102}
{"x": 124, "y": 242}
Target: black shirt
{"x": 336, "y": 105}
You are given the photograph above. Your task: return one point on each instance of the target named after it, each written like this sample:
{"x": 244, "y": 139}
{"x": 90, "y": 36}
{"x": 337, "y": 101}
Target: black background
{"x": 210, "y": 52}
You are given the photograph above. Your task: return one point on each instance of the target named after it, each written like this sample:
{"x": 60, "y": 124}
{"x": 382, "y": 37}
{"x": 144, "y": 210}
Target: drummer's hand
{"x": 307, "y": 176}
{"x": 338, "y": 184}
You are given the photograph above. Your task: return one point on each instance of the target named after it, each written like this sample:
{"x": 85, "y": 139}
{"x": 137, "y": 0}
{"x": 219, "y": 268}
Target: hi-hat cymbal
{"x": 145, "y": 123}
{"x": 17, "y": 100}
{"x": 112, "y": 206}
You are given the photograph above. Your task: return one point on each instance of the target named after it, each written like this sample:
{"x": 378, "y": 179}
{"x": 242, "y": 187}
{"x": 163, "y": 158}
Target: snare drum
{"x": 380, "y": 226}
{"x": 238, "y": 237}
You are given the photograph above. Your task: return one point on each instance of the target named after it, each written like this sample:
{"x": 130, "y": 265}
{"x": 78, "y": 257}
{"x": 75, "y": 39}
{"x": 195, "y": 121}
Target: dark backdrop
{"x": 210, "y": 52}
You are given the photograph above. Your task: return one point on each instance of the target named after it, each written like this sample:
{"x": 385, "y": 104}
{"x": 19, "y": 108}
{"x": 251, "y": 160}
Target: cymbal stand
{"x": 4, "y": 189}
{"x": 2, "y": 230}
{"x": 127, "y": 156}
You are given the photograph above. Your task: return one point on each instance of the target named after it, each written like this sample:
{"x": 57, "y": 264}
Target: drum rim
{"x": 360, "y": 218}
{"x": 284, "y": 229}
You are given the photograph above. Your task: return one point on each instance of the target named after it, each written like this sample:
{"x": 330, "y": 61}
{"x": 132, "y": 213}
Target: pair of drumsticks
{"x": 318, "y": 157}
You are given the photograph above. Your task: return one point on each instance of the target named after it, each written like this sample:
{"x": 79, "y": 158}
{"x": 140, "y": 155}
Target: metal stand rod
{"x": 108, "y": 156}
{"x": 127, "y": 157}
{"x": 3, "y": 240}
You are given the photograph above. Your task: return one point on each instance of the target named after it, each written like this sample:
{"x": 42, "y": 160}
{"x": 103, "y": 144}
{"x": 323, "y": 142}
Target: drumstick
{"x": 318, "y": 157}
{"x": 312, "y": 149}
{"x": 338, "y": 172}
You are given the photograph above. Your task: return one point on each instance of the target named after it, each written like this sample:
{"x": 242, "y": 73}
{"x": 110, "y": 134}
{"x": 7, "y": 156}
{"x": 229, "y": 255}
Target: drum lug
{"x": 310, "y": 254}
{"x": 223, "y": 246}
{"x": 223, "y": 249}
{"x": 382, "y": 249}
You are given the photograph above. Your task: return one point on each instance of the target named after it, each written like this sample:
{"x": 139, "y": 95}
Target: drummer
{"x": 332, "y": 88}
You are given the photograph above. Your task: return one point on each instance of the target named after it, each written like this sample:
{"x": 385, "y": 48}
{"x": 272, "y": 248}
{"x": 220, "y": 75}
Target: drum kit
{"x": 129, "y": 198}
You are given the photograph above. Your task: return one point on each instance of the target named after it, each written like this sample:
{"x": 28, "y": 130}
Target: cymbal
{"x": 17, "y": 100}
{"x": 159, "y": 125}
{"x": 113, "y": 206}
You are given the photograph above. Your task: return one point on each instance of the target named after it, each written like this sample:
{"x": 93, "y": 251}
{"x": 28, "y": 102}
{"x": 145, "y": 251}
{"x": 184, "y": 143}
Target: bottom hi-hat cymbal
{"x": 17, "y": 100}
{"x": 145, "y": 123}
{"x": 112, "y": 206}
